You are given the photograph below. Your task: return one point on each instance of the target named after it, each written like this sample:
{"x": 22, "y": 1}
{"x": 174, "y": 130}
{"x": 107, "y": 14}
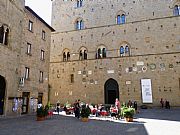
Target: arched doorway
{"x": 2, "y": 94}
{"x": 111, "y": 91}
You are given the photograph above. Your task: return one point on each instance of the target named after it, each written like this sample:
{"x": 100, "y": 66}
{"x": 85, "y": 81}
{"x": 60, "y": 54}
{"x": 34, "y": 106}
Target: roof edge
{"x": 36, "y": 15}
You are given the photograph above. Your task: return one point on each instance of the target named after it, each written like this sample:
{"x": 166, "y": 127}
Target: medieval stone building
{"x": 107, "y": 49}
{"x": 24, "y": 64}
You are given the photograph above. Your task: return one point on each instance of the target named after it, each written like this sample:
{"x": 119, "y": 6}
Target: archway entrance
{"x": 2, "y": 94}
{"x": 111, "y": 91}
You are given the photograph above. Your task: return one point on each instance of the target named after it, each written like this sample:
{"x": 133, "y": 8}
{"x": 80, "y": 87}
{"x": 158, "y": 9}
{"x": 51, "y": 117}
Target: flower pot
{"x": 84, "y": 119}
{"x": 40, "y": 118}
{"x": 129, "y": 119}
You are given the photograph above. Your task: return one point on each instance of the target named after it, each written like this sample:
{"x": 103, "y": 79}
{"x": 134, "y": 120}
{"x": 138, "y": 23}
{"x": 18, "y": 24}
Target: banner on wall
{"x": 146, "y": 91}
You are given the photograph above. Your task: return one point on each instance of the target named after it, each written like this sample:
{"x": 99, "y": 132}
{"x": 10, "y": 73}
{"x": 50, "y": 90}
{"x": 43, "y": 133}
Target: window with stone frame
{"x": 79, "y": 3}
{"x": 1, "y": 34}
{"x": 30, "y": 26}
{"x": 27, "y": 72}
{"x": 83, "y": 53}
{"x": 28, "y": 49}
{"x": 124, "y": 50}
{"x": 43, "y": 35}
{"x": 101, "y": 52}
{"x": 72, "y": 78}
{"x": 42, "y": 55}
{"x": 79, "y": 24}
{"x": 66, "y": 55}
{"x": 120, "y": 17}
{"x": 41, "y": 79}
{"x": 4, "y": 35}
{"x": 176, "y": 10}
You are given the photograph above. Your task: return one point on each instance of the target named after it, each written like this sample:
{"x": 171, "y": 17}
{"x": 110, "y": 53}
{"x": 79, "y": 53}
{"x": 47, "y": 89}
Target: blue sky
{"x": 42, "y": 8}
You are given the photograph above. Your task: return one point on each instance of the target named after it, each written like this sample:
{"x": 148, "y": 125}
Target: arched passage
{"x": 111, "y": 91}
{"x": 2, "y": 94}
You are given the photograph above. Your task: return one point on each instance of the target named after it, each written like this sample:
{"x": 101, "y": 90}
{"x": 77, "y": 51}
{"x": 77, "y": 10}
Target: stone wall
{"x": 152, "y": 33}
{"x": 12, "y": 18}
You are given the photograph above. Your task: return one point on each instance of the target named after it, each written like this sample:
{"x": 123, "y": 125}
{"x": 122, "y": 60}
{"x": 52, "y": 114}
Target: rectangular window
{"x": 72, "y": 78}
{"x": 28, "y": 49}
{"x": 42, "y": 54}
{"x": 179, "y": 83}
{"x": 30, "y": 26}
{"x": 43, "y": 35}
{"x": 41, "y": 77}
{"x": 27, "y": 70}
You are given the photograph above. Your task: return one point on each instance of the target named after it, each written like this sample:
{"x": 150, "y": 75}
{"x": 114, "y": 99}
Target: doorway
{"x": 40, "y": 98}
{"x": 111, "y": 91}
{"x": 2, "y": 94}
{"x": 25, "y": 104}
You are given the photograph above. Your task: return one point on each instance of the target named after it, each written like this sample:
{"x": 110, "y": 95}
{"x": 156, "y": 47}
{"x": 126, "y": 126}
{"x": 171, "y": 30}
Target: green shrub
{"x": 128, "y": 112}
{"x": 40, "y": 112}
{"x": 85, "y": 112}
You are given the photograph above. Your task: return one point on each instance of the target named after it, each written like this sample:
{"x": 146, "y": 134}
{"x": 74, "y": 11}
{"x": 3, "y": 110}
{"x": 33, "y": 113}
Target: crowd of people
{"x": 96, "y": 110}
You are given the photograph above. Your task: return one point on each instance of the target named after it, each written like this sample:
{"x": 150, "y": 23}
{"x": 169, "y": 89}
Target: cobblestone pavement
{"x": 147, "y": 122}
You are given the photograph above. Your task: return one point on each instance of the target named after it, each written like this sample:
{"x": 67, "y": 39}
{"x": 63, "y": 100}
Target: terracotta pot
{"x": 40, "y": 118}
{"x": 129, "y": 119}
{"x": 84, "y": 119}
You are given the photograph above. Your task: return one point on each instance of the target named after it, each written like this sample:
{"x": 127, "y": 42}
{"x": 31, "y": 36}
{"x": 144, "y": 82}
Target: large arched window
{"x": 124, "y": 49}
{"x": 120, "y": 17}
{"x": 176, "y": 10}
{"x": 79, "y": 3}
{"x": 79, "y": 24}
{"x": 83, "y": 53}
{"x": 101, "y": 52}
{"x": 66, "y": 55}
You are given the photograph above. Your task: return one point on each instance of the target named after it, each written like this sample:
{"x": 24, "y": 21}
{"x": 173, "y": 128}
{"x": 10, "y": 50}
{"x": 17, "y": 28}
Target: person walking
{"x": 58, "y": 107}
{"x": 78, "y": 108}
{"x": 135, "y": 106}
{"x": 162, "y": 103}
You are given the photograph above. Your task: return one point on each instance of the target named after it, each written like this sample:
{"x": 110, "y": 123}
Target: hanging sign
{"x": 146, "y": 91}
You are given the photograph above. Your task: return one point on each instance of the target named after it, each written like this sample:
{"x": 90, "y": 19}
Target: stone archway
{"x": 2, "y": 94}
{"x": 111, "y": 91}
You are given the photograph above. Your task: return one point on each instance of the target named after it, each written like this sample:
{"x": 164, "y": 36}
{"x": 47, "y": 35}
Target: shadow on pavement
{"x": 160, "y": 114}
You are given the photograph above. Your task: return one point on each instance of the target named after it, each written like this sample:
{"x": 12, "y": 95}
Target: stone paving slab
{"x": 147, "y": 122}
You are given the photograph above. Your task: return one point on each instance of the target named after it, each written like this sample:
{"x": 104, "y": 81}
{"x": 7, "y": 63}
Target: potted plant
{"x": 40, "y": 113}
{"x": 128, "y": 113}
{"x": 85, "y": 112}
